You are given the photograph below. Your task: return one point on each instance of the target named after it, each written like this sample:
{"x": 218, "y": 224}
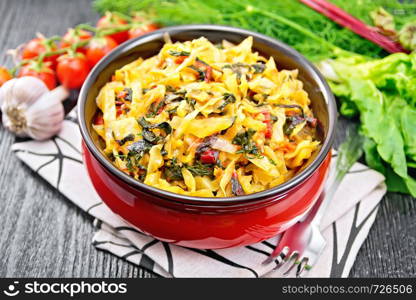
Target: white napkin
{"x": 345, "y": 227}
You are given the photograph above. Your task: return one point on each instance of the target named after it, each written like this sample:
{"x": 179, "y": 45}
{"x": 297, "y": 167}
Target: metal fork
{"x": 302, "y": 244}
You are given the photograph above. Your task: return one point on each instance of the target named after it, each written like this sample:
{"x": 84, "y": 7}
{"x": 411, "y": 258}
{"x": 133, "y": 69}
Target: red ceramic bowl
{"x": 197, "y": 222}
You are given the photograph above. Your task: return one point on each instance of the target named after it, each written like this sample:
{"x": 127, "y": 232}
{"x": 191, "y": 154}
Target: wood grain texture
{"x": 42, "y": 234}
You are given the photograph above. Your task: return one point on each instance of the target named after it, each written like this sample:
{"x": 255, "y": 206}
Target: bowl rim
{"x": 279, "y": 189}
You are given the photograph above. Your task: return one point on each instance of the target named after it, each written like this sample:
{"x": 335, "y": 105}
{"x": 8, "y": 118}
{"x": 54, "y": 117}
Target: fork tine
{"x": 282, "y": 256}
{"x": 293, "y": 258}
{"x": 279, "y": 259}
{"x": 302, "y": 265}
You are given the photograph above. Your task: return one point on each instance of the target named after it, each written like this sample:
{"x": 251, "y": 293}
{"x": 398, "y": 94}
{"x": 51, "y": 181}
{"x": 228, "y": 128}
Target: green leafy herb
{"x": 258, "y": 68}
{"x": 136, "y": 152}
{"x": 191, "y": 102}
{"x": 291, "y": 123}
{"x": 147, "y": 132}
{"x": 126, "y": 139}
{"x": 237, "y": 68}
{"x": 200, "y": 61}
{"x": 179, "y": 53}
{"x": 291, "y": 21}
{"x": 200, "y": 169}
{"x": 292, "y": 106}
{"x": 155, "y": 108}
{"x": 150, "y": 136}
{"x": 127, "y": 94}
{"x": 201, "y": 73}
{"x": 143, "y": 123}
{"x": 244, "y": 139}
{"x": 165, "y": 126}
{"x": 172, "y": 170}
{"x": 228, "y": 98}
{"x": 139, "y": 147}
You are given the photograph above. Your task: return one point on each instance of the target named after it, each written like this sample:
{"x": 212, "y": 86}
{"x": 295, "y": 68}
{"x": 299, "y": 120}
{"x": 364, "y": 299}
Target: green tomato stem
{"x": 123, "y": 16}
{"x": 86, "y": 27}
{"x": 109, "y": 31}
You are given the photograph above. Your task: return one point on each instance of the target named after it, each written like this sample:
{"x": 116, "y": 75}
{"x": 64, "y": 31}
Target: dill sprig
{"x": 310, "y": 33}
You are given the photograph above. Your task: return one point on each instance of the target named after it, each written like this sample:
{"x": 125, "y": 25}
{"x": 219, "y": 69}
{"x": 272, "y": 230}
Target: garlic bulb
{"x": 30, "y": 109}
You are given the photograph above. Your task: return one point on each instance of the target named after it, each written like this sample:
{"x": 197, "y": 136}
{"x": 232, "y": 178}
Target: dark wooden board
{"x": 42, "y": 234}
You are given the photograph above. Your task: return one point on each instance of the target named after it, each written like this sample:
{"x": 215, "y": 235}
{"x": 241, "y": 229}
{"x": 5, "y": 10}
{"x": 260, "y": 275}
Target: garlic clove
{"x": 44, "y": 119}
{"x": 41, "y": 134}
{"x": 22, "y": 92}
{"x": 6, "y": 91}
{"x": 16, "y": 95}
{"x": 30, "y": 109}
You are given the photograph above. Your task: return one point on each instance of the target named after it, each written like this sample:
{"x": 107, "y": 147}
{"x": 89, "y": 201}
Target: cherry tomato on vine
{"x": 41, "y": 71}
{"x": 38, "y": 46}
{"x": 72, "y": 70}
{"x": 140, "y": 30}
{"x": 111, "y": 21}
{"x": 98, "y": 48}
{"x": 4, "y": 75}
{"x": 74, "y": 36}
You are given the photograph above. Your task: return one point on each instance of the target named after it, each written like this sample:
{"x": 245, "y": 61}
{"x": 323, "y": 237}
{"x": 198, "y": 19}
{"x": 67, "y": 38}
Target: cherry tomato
{"x": 4, "y": 75}
{"x": 38, "y": 46}
{"x": 73, "y": 36}
{"x": 98, "y": 48}
{"x": 72, "y": 70}
{"x": 110, "y": 21}
{"x": 140, "y": 30}
{"x": 41, "y": 71}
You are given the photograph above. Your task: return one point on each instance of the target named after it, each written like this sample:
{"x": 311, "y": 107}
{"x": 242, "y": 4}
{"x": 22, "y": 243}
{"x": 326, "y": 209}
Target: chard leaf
{"x": 172, "y": 170}
{"x": 200, "y": 169}
{"x": 179, "y": 53}
{"x": 127, "y": 138}
{"x": 228, "y": 98}
{"x": 383, "y": 93}
{"x": 258, "y": 68}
